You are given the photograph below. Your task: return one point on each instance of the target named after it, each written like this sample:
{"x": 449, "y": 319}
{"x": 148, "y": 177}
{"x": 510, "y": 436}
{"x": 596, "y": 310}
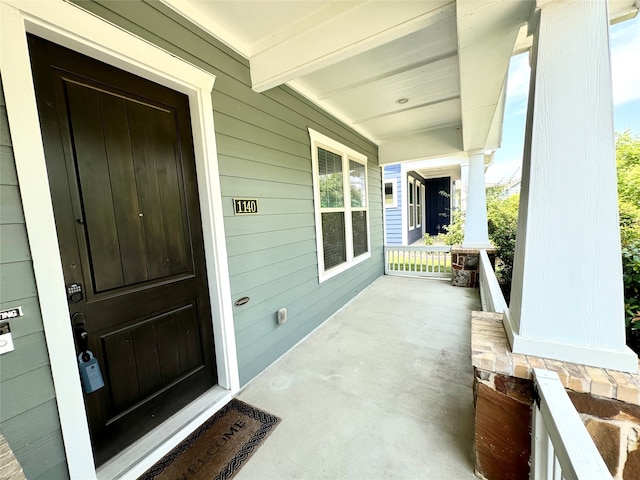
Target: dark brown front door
{"x": 123, "y": 184}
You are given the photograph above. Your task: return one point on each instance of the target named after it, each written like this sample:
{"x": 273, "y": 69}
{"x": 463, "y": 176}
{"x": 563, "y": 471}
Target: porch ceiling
{"x": 358, "y": 59}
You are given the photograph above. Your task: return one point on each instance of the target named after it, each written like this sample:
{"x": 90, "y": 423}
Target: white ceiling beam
{"x": 328, "y": 39}
{"x": 494, "y": 137}
{"x": 439, "y": 142}
{"x": 487, "y": 33}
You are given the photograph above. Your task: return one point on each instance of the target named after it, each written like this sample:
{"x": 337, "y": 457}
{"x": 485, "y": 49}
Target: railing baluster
{"x": 561, "y": 446}
{"x": 557, "y": 469}
{"x": 423, "y": 261}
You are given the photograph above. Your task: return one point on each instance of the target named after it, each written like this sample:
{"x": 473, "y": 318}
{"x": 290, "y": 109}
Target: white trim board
{"x": 72, "y": 27}
{"x": 624, "y": 360}
{"x": 347, "y": 154}
{"x": 404, "y": 214}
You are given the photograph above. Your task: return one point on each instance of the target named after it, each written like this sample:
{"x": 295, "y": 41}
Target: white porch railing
{"x": 491, "y": 296}
{"x": 421, "y": 261}
{"x": 561, "y": 448}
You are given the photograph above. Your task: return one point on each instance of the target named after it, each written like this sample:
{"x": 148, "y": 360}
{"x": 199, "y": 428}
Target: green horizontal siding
{"x": 28, "y": 412}
{"x": 264, "y": 152}
{"x": 15, "y": 245}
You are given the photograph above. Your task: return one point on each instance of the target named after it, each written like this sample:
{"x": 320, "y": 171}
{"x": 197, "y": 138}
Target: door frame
{"x": 71, "y": 26}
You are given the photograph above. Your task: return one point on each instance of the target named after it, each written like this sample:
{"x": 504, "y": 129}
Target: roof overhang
{"x": 421, "y": 79}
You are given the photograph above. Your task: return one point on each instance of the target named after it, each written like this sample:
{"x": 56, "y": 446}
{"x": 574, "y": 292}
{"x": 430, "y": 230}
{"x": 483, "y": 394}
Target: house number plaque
{"x": 245, "y": 206}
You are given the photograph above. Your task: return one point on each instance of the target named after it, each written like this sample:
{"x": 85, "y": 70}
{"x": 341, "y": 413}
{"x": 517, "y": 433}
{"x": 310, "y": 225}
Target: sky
{"x": 625, "y": 66}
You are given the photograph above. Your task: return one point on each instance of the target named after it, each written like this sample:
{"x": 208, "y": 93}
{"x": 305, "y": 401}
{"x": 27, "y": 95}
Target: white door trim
{"x": 72, "y": 27}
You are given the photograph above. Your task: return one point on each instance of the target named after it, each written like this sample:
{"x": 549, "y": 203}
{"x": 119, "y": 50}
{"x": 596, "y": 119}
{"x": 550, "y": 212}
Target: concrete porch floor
{"x": 382, "y": 390}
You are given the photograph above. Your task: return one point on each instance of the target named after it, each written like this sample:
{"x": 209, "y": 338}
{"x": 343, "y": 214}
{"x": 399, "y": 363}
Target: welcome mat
{"x": 218, "y": 448}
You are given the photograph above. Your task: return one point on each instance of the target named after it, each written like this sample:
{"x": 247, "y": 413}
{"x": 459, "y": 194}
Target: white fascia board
{"x": 192, "y": 13}
{"x": 494, "y": 137}
{"x": 441, "y": 162}
{"x": 486, "y": 39}
{"x": 354, "y": 31}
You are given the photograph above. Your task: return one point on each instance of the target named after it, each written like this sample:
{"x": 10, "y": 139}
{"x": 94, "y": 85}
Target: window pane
{"x": 357, "y": 174}
{"x": 359, "y": 224}
{"x": 333, "y": 243}
{"x": 331, "y": 186}
{"x": 388, "y": 193}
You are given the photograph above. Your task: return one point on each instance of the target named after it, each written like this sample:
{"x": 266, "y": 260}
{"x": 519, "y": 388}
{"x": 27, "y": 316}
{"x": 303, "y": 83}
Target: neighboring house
{"x": 421, "y": 196}
{"x": 173, "y": 174}
{"x": 511, "y": 185}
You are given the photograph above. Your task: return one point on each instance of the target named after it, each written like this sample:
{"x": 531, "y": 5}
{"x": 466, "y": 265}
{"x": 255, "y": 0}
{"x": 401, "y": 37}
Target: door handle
{"x": 78, "y": 320}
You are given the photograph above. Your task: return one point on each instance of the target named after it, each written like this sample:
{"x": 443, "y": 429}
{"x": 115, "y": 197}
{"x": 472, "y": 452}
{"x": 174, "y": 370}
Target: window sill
{"x": 335, "y": 271}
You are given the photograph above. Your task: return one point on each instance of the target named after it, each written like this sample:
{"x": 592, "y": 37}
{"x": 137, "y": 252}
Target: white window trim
{"x": 320, "y": 140}
{"x": 402, "y": 201}
{"x": 394, "y": 193}
{"x": 419, "y": 203}
{"x": 411, "y": 194}
{"x": 72, "y": 27}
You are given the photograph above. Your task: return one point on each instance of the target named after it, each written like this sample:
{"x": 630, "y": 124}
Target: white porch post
{"x": 464, "y": 185}
{"x": 567, "y": 292}
{"x": 476, "y": 234}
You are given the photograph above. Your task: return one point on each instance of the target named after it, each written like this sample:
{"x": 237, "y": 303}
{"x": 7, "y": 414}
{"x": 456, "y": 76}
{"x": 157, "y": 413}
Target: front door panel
{"x": 122, "y": 176}
{"x": 437, "y": 203}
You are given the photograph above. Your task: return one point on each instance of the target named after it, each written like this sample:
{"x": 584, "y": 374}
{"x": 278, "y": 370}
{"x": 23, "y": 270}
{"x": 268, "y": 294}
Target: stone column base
{"x": 608, "y": 402}
{"x": 465, "y": 265}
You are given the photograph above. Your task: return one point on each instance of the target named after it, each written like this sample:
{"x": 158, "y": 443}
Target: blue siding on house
{"x": 393, "y": 215}
{"x": 264, "y": 152}
{"x": 28, "y": 411}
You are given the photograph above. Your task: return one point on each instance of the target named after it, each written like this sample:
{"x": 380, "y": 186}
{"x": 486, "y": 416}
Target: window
{"x": 412, "y": 212}
{"x": 341, "y": 208}
{"x": 390, "y": 193}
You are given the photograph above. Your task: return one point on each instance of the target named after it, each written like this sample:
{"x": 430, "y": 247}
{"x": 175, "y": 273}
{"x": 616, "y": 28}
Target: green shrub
{"x": 454, "y": 232}
{"x": 628, "y": 167}
{"x": 631, "y": 279}
{"x": 502, "y": 217}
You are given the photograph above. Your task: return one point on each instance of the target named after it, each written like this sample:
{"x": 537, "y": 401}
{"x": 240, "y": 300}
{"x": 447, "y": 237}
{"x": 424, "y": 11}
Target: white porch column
{"x": 476, "y": 234}
{"x": 567, "y": 292}
{"x": 464, "y": 185}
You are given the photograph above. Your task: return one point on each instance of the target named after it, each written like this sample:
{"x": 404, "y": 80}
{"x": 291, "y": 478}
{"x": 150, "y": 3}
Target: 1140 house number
{"x": 245, "y": 206}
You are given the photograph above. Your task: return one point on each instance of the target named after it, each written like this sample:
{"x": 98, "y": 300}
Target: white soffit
{"x": 236, "y": 24}
{"x": 355, "y": 59}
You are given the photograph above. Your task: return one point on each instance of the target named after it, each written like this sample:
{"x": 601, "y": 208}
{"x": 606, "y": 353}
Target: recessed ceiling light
{"x": 402, "y": 101}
